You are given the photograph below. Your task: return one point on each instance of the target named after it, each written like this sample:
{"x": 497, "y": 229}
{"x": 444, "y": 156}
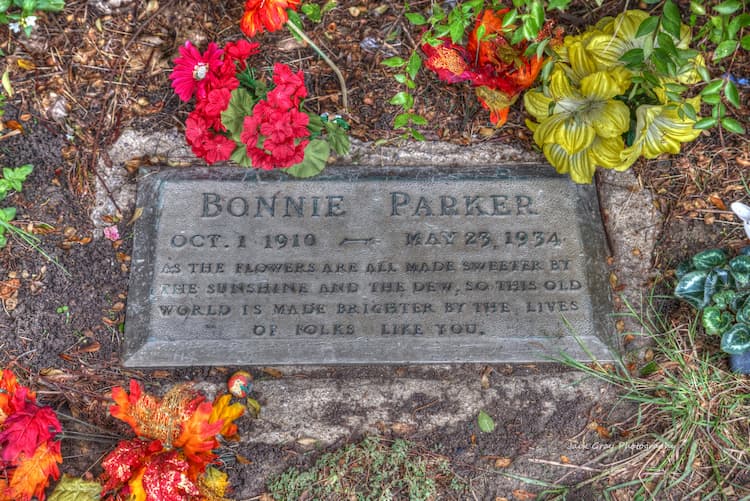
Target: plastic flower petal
{"x": 582, "y": 165}
{"x": 193, "y": 70}
{"x": 265, "y": 14}
{"x": 660, "y": 129}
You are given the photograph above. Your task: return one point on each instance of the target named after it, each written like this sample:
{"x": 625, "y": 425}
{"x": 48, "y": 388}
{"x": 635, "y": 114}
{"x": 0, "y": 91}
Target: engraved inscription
{"x": 322, "y": 272}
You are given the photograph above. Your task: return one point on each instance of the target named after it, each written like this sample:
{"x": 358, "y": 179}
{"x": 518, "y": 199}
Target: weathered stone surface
{"x": 366, "y": 265}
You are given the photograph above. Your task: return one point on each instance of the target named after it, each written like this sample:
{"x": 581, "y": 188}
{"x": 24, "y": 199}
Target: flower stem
{"x": 331, "y": 64}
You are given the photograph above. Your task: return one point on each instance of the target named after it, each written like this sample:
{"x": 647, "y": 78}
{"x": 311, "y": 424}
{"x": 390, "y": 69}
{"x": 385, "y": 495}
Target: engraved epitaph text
{"x": 368, "y": 269}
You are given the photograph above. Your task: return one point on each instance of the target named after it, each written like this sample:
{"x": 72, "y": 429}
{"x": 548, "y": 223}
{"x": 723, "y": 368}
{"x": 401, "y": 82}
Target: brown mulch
{"x": 85, "y": 75}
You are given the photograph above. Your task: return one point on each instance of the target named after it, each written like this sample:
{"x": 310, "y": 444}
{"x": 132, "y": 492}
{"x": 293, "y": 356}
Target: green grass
{"x": 691, "y": 433}
{"x": 373, "y": 469}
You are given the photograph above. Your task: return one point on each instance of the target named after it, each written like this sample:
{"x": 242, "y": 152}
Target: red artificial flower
{"x": 498, "y": 70}
{"x": 290, "y": 87}
{"x": 193, "y": 71}
{"x": 265, "y": 14}
{"x": 275, "y": 138}
{"x": 238, "y": 52}
{"x": 217, "y": 148}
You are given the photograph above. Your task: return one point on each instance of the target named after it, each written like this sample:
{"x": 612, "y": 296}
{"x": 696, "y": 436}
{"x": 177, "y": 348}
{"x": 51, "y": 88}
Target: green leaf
{"x": 295, "y": 20}
{"x": 456, "y": 31}
{"x": 3, "y": 238}
{"x": 537, "y": 14}
{"x": 316, "y": 156}
{"x": 510, "y": 17}
{"x": 730, "y": 91}
{"x": 736, "y": 24}
{"x": 415, "y": 18}
{"x": 649, "y": 369}
{"x": 743, "y": 314}
{"x": 633, "y": 57}
{"x": 728, "y": 7}
{"x": 401, "y": 120}
{"x": 724, "y": 49}
{"x": 403, "y": 99}
{"x": 412, "y": 67}
{"x": 712, "y": 99}
{"x": 648, "y": 25}
{"x": 736, "y": 340}
{"x": 558, "y": 4}
{"x": 239, "y": 156}
{"x": 4, "y": 5}
{"x": 689, "y": 111}
{"x": 691, "y": 289}
{"x": 240, "y": 105}
{"x": 312, "y": 11}
{"x": 745, "y": 42}
{"x": 671, "y": 21}
{"x": 716, "y": 321}
{"x": 724, "y": 299}
{"x": 393, "y": 62}
{"x": 7, "y": 214}
{"x": 709, "y": 259}
{"x": 732, "y": 125}
{"x": 315, "y": 125}
{"x": 337, "y": 138}
{"x": 740, "y": 269}
{"x": 418, "y": 119}
{"x": 76, "y": 489}
{"x": 712, "y": 88}
{"x": 50, "y": 5}
{"x": 417, "y": 135}
{"x": 485, "y": 422}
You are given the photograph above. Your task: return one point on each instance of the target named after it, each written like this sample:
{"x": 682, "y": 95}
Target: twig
{"x": 564, "y": 465}
{"x": 331, "y": 64}
{"x": 12, "y": 133}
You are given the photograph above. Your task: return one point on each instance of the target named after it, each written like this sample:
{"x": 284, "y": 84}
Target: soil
{"x": 91, "y": 73}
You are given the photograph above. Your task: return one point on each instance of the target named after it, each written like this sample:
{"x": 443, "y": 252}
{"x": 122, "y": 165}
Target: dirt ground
{"x": 90, "y": 73}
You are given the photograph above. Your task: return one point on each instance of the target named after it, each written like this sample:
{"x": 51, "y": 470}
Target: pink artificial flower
{"x": 193, "y": 70}
{"x": 111, "y": 233}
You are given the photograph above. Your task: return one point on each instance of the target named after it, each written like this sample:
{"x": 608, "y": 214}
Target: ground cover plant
{"x": 83, "y": 74}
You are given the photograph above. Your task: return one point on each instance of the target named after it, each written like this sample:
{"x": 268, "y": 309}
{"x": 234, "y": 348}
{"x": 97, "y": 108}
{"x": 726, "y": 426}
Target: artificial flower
{"x": 498, "y": 70}
{"x": 193, "y": 70}
{"x": 660, "y": 129}
{"x": 585, "y": 113}
{"x": 270, "y": 15}
{"x": 275, "y": 137}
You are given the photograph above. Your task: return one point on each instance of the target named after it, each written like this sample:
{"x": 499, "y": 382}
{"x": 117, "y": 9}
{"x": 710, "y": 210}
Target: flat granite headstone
{"x": 366, "y": 265}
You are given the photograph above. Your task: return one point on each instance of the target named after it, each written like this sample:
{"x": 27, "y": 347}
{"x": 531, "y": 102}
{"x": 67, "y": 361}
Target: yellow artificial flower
{"x": 602, "y": 152}
{"x": 573, "y": 117}
{"x": 659, "y": 129}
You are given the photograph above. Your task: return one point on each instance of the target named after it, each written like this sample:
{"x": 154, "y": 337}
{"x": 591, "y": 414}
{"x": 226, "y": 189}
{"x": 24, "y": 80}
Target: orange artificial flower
{"x": 498, "y": 70}
{"x": 270, "y": 15}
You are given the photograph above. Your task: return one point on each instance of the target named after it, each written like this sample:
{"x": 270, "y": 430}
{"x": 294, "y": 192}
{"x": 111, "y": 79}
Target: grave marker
{"x": 365, "y": 265}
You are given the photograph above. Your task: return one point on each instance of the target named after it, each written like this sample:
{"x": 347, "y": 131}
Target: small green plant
{"x": 21, "y": 14}
{"x": 64, "y": 310}
{"x": 12, "y": 180}
{"x": 315, "y": 12}
{"x": 688, "y": 436}
{"x": 719, "y": 289}
{"x": 372, "y": 469}
{"x": 724, "y": 29}
{"x": 485, "y": 422}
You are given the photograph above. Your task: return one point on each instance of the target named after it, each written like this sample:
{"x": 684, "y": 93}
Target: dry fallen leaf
{"x": 403, "y": 428}
{"x": 503, "y": 462}
{"x": 564, "y": 459}
{"x": 275, "y": 373}
{"x": 307, "y": 442}
{"x": 522, "y": 495}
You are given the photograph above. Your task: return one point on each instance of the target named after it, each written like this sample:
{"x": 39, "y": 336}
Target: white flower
{"x": 15, "y": 27}
{"x": 743, "y": 212}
